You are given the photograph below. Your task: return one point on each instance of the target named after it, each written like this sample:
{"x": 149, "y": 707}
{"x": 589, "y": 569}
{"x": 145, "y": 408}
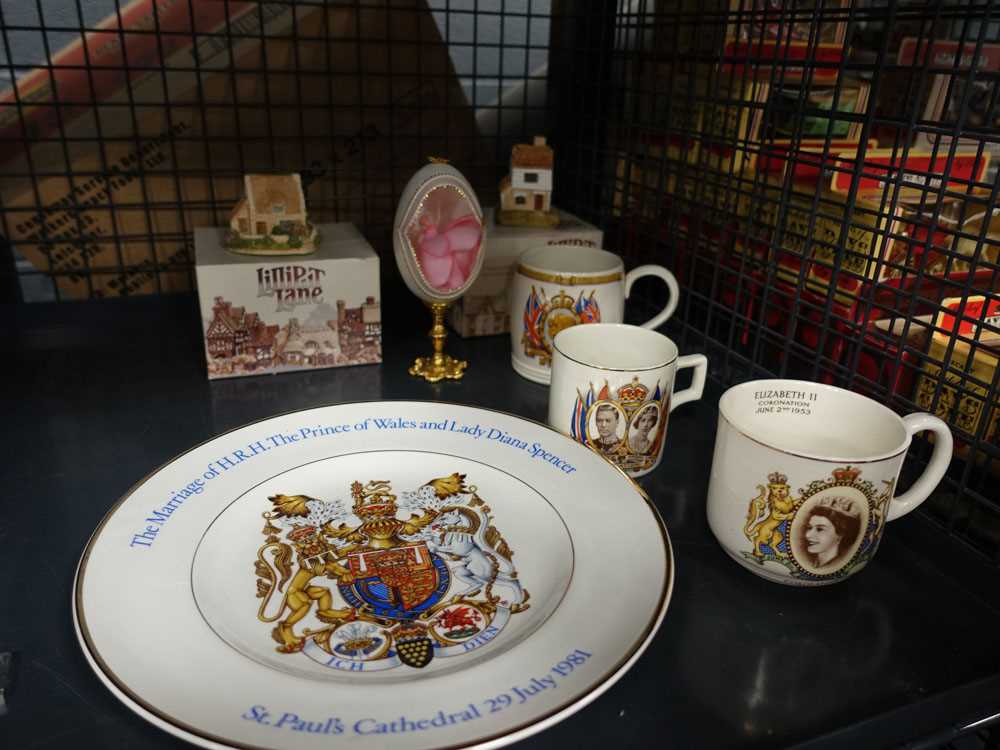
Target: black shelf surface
{"x": 98, "y": 395}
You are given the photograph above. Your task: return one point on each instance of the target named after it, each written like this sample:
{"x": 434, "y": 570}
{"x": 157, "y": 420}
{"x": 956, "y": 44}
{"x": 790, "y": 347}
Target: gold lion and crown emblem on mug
{"x": 544, "y": 318}
{"x": 556, "y": 287}
{"x": 824, "y": 531}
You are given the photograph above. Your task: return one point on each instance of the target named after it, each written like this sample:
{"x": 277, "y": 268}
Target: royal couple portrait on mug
{"x": 611, "y": 429}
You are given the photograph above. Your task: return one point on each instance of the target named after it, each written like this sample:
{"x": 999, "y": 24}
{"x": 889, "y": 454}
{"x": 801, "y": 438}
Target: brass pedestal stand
{"x": 439, "y": 365}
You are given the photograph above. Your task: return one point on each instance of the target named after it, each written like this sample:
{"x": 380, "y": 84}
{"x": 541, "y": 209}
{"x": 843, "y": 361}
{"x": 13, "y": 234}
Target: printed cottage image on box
{"x": 273, "y": 314}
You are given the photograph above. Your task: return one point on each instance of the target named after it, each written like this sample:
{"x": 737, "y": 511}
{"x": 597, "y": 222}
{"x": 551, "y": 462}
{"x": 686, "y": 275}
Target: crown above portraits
{"x": 847, "y": 474}
{"x": 632, "y": 395}
{"x": 777, "y": 478}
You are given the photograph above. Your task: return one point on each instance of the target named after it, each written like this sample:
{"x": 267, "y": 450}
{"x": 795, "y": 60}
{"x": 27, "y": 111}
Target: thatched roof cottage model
{"x": 270, "y": 218}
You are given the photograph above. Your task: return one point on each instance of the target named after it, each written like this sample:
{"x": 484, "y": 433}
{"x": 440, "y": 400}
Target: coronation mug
{"x": 558, "y": 286}
{"x": 804, "y": 476}
{"x": 613, "y": 390}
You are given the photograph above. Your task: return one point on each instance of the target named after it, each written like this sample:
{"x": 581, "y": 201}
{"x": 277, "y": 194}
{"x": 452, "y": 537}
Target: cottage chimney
{"x": 539, "y": 140}
{"x": 341, "y": 311}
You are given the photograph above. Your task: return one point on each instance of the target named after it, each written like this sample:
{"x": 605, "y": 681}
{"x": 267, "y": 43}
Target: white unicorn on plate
{"x": 463, "y": 533}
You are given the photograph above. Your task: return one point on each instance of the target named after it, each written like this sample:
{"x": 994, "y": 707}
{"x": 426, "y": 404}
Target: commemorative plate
{"x": 384, "y": 574}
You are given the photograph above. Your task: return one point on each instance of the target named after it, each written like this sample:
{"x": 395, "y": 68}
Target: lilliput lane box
{"x": 270, "y": 314}
{"x": 483, "y": 310}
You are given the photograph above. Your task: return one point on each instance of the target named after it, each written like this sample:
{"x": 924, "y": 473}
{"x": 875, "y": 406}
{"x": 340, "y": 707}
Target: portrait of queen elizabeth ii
{"x": 827, "y": 530}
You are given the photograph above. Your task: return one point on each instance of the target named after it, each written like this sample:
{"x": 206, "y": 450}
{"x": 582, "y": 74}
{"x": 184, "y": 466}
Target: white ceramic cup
{"x": 612, "y": 389}
{"x": 803, "y": 478}
{"x": 558, "y": 286}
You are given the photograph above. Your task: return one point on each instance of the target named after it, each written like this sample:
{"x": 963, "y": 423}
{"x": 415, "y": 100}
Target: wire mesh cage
{"x": 127, "y": 124}
{"x": 820, "y": 175}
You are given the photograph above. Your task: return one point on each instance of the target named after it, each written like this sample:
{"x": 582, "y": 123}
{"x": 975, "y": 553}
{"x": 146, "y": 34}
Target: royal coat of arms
{"x": 405, "y": 592}
{"x": 627, "y": 425}
{"x": 828, "y": 531}
{"x": 544, "y": 318}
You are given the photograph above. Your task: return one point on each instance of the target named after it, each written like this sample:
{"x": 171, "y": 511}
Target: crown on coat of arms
{"x": 373, "y": 499}
{"x": 777, "y": 478}
{"x": 561, "y": 301}
{"x": 847, "y": 474}
{"x": 633, "y": 394}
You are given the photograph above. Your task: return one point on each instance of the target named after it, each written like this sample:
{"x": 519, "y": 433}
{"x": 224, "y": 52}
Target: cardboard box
{"x": 809, "y": 161}
{"x": 748, "y": 35}
{"x": 484, "y": 309}
{"x": 941, "y": 102}
{"x": 730, "y": 130}
{"x": 964, "y": 377}
{"x": 789, "y": 118}
{"x": 808, "y": 236}
{"x": 763, "y": 31}
{"x": 693, "y": 108}
{"x": 159, "y": 148}
{"x": 920, "y": 174}
{"x": 271, "y": 314}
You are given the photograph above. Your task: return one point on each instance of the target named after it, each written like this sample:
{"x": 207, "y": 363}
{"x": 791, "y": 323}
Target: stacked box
{"x": 755, "y": 34}
{"x": 964, "y": 399}
{"x": 808, "y": 235}
{"x": 270, "y": 314}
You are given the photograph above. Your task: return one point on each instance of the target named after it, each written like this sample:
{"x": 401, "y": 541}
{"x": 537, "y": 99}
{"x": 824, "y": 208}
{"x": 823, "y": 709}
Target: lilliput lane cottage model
{"x": 270, "y": 218}
{"x": 526, "y": 193}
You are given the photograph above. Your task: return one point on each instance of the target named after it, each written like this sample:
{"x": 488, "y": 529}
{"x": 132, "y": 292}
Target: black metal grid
{"x": 103, "y": 182}
{"x": 782, "y": 277}
{"x": 131, "y": 123}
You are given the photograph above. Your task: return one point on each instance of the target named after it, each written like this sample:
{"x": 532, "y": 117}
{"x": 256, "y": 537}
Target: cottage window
{"x": 531, "y": 176}
{"x": 278, "y": 208}
{"x": 519, "y": 200}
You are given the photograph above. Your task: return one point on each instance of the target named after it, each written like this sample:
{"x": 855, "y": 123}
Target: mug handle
{"x": 693, "y": 392}
{"x": 936, "y": 467}
{"x": 660, "y": 272}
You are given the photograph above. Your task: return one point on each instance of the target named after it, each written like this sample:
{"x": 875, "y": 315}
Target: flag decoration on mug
{"x": 626, "y": 424}
{"x": 578, "y": 428}
{"x": 544, "y": 318}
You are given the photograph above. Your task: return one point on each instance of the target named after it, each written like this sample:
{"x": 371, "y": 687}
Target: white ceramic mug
{"x": 612, "y": 389}
{"x": 558, "y": 286}
{"x": 803, "y": 478}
